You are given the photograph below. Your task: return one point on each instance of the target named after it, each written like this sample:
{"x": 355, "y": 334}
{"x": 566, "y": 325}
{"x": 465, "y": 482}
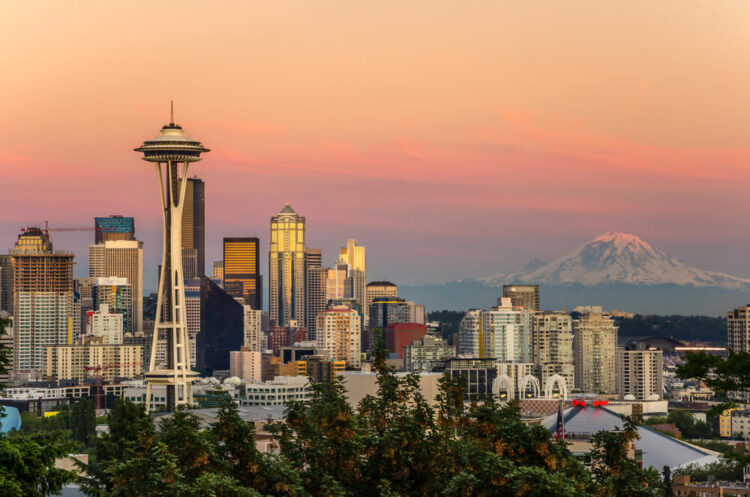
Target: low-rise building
{"x": 69, "y": 362}
{"x": 741, "y": 422}
{"x": 276, "y": 392}
{"x": 427, "y": 353}
{"x": 683, "y": 486}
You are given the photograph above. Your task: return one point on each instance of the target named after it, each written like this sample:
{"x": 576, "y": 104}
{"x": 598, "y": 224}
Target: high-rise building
{"x": 6, "y": 283}
{"x": 222, "y": 327}
{"x": 315, "y": 289}
{"x": 336, "y": 281}
{"x": 504, "y": 333}
{"x": 245, "y": 364}
{"x": 122, "y": 259}
{"x": 640, "y": 372}
{"x": 738, "y": 329}
{"x": 242, "y": 270}
{"x": 171, "y": 152}
{"x": 69, "y": 362}
{"x": 416, "y": 313}
{"x": 218, "y": 273}
{"x": 253, "y": 329}
{"x": 117, "y": 294}
{"x": 523, "y": 296}
{"x": 107, "y": 325}
{"x": 552, "y": 346}
{"x": 113, "y": 228}
{"x": 595, "y": 345}
{"x": 189, "y": 263}
{"x": 286, "y": 267}
{"x": 379, "y": 289}
{"x": 193, "y": 311}
{"x": 42, "y": 300}
{"x": 339, "y": 335}
{"x": 354, "y": 257}
{"x": 194, "y": 225}
{"x": 400, "y": 335}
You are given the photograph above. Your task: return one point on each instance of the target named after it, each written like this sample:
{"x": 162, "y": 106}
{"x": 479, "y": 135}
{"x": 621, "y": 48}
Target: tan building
{"x": 640, "y": 372}
{"x": 69, "y": 362}
{"x": 738, "y": 329}
{"x": 523, "y": 296}
{"x": 42, "y": 299}
{"x": 241, "y": 270}
{"x": 194, "y": 229}
{"x": 286, "y": 268}
{"x": 354, "y": 257}
{"x": 218, "y": 273}
{"x": 123, "y": 259}
{"x": 339, "y": 333}
{"x": 253, "y": 332}
{"x": 595, "y": 353}
{"x": 725, "y": 423}
{"x": 552, "y": 346}
{"x": 378, "y": 289}
{"x": 245, "y": 364}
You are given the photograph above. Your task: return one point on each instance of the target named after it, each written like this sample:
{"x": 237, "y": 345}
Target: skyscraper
{"x": 218, "y": 273}
{"x": 353, "y": 256}
{"x": 502, "y": 333}
{"x": 171, "y": 152}
{"x": 42, "y": 300}
{"x": 6, "y": 283}
{"x": 122, "y": 259}
{"x": 339, "y": 334}
{"x": 552, "y": 346}
{"x": 315, "y": 289}
{"x": 640, "y": 372}
{"x": 113, "y": 228}
{"x": 194, "y": 224}
{"x": 595, "y": 352}
{"x": 738, "y": 329}
{"x": 525, "y": 296}
{"x": 377, "y": 289}
{"x": 117, "y": 295}
{"x": 241, "y": 270}
{"x": 286, "y": 267}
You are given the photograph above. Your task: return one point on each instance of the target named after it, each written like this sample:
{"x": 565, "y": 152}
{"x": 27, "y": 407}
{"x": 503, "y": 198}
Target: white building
{"x": 339, "y": 334}
{"x": 503, "y": 333}
{"x": 277, "y": 392}
{"x": 104, "y": 324}
{"x": 253, "y": 321}
{"x": 640, "y": 373}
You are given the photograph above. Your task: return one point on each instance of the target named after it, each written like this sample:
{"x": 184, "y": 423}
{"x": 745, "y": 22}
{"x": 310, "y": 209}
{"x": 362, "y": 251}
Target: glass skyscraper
{"x": 286, "y": 268}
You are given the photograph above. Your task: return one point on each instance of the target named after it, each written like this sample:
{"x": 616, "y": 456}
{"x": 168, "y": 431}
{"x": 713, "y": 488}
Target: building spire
{"x": 171, "y": 112}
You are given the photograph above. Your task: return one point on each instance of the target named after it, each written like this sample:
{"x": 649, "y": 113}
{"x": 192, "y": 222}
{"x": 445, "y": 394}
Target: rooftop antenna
{"x": 171, "y": 111}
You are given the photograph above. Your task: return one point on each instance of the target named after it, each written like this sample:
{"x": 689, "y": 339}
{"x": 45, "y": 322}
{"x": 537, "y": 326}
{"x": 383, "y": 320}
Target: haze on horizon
{"x": 453, "y": 140}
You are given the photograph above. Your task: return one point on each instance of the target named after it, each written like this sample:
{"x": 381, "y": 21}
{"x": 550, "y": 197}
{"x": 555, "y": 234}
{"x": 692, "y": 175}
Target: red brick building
{"x": 399, "y": 335}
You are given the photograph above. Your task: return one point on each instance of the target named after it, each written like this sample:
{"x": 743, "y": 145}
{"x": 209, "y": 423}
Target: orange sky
{"x": 454, "y": 139}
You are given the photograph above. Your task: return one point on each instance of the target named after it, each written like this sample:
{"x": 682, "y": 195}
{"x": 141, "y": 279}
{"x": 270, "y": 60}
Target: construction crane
{"x": 98, "y": 369}
{"x": 47, "y": 229}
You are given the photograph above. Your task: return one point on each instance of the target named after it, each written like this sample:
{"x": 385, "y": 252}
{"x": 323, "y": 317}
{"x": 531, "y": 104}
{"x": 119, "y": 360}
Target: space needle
{"x": 171, "y": 152}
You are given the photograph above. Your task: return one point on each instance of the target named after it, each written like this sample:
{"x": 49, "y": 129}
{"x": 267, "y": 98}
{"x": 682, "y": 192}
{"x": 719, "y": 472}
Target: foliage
{"x": 689, "y": 427}
{"x": 728, "y": 377}
{"x": 666, "y": 476}
{"x": 723, "y": 469}
{"x": 689, "y": 328}
{"x": 27, "y": 462}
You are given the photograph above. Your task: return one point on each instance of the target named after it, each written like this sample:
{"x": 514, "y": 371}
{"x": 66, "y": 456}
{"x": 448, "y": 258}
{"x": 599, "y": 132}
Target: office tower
{"x": 353, "y": 256}
{"x": 595, "y": 345}
{"x": 113, "y": 228}
{"x": 172, "y": 152}
{"x": 121, "y": 259}
{"x": 427, "y": 354}
{"x": 241, "y": 270}
{"x": 640, "y": 372}
{"x": 385, "y": 310}
{"x": 245, "y": 364}
{"x": 315, "y": 289}
{"x": 285, "y": 336}
{"x": 339, "y": 332}
{"x": 253, "y": 320}
{"x": 552, "y": 346}
{"x": 193, "y": 314}
{"x": 416, "y": 313}
{"x": 69, "y": 362}
{"x": 218, "y": 273}
{"x": 523, "y": 296}
{"x": 738, "y": 329}
{"x": 189, "y": 263}
{"x": 107, "y": 325}
{"x": 399, "y": 335}
{"x": 286, "y": 267}
{"x": 42, "y": 299}
{"x": 6, "y": 283}
{"x": 222, "y": 327}
{"x": 379, "y": 289}
{"x": 503, "y": 333}
{"x": 117, "y": 294}
{"x": 336, "y": 281}
{"x": 194, "y": 226}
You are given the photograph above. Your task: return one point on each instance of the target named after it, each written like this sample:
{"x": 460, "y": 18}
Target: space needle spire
{"x": 171, "y": 152}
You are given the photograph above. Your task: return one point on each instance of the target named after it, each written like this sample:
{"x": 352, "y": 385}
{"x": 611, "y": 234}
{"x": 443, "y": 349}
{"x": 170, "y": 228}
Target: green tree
{"x": 728, "y": 378}
{"x": 666, "y": 475}
{"x": 82, "y": 420}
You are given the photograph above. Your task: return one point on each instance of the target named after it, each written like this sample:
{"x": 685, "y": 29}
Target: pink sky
{"x": 453, "y": 139}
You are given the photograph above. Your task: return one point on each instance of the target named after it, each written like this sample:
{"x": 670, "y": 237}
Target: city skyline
{"x": 624, "y": 143}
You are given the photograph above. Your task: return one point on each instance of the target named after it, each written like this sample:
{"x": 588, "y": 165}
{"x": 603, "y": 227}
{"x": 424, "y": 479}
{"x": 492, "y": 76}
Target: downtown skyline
{"x": 443, "y": 153}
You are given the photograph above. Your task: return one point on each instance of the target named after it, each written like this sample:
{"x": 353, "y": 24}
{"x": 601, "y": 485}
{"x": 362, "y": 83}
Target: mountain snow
{"x": 614, "y": 258}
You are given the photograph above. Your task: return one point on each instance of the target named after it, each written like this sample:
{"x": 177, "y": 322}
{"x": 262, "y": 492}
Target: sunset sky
{"x": 452, "y": 139}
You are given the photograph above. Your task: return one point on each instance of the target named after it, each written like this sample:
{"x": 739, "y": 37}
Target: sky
{"x": 453, "y": 139}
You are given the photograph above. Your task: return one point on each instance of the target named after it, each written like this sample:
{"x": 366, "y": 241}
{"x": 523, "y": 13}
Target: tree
{"x": 728, "y": 377}
{"x": 82, "y": 421}
{"x": 666, "y": 474}
{"x": 27, "y": 462}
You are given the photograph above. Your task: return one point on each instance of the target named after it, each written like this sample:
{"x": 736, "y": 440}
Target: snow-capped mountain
{"x": 617, "y": 258}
